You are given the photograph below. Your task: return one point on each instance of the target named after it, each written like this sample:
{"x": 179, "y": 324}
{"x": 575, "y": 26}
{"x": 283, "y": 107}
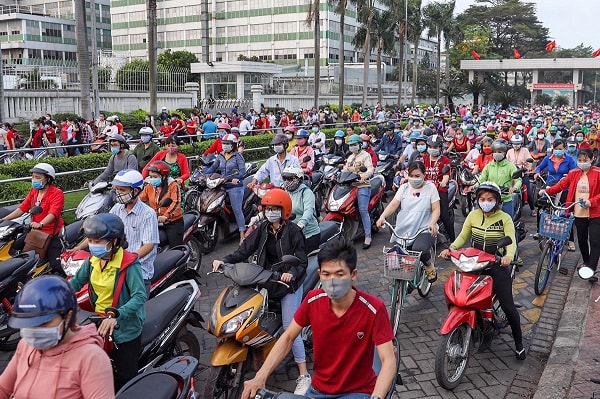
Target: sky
{"x": 571, "y": 22}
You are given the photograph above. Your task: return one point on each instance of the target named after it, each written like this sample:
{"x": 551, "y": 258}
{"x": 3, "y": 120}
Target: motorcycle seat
{"x": 188, "y": 220}
{"x": 160, "y": 312}
{"x": 7, "y": 210}
{"x": 162, "y": 236}
{"x": 328, "y": 229}
{"x": 9, "y": 266}
{"x": 164, "y": 262}
{"x": 72, "y": 231}
{"x": 376, "y": 184}
{"x": 151, "y": 385}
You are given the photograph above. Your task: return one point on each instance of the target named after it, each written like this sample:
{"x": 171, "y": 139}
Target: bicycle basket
{"x": 400, "y": 266}
{"x": 553, "y": 226}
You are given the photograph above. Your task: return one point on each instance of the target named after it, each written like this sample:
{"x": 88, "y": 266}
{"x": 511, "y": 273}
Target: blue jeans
{"x": 236, "y": 197}
{"x": 313, "y": 393}
{"x": 289, "y": 305}
{"x": 527, "y": 182}
{"x": 509, "y": 208}
{"x": 364, "y": 195}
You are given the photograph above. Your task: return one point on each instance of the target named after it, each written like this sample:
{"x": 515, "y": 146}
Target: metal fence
{"x": 213, "y": 105}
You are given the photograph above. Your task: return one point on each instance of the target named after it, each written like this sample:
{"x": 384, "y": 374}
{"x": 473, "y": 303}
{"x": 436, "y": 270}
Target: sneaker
{"x": 302, "y": 384}
{"x": 521, "y": 355}
{"x": 431, "y": 275}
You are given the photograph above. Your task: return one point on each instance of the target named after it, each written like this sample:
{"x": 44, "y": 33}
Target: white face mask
{"x": 279, "y": 149}
{"x": 41, "y": 338}
{"x": 486, "y": 206}
{"x": 273, "y": 216}
{"x": 339, "y": 141}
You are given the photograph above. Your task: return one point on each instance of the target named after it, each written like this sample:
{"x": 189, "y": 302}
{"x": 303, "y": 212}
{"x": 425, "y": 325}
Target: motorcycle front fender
{"x": 456, "y": 317}
{"x": 228, "y": 352}
{"x": 334, "y": 216}
{"x": 206, "y": 219}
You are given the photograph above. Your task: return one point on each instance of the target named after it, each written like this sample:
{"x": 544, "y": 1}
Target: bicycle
{"x": 404, "y": 266}
{"x": 555, "y": 227}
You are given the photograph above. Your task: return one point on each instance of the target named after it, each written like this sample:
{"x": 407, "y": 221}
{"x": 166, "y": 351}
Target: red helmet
{"x": 209, "y": 116}
{"x": 160, "y": 167}
{"x": 279, "y": 197}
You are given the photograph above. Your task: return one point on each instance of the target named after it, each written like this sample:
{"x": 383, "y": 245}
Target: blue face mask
{"x": 37, "y": 184}
{"x": 146, "y": 138}
{"x": 315, "y": 129}
{"x": 98, "y": 250}
{"x": 478, "y": 147}
{"x": 579, "y": 139}
{"x": 155, "y": 181}
{"x": 115, "y": 150}
{"x": 222, "y": 134}
{"x": 421, "y": 148}
{"x": 559, "y": 153}
{"x": 364, "y": 145}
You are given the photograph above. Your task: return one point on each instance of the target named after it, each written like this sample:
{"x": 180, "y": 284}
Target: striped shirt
{"x": 141, "y": 227}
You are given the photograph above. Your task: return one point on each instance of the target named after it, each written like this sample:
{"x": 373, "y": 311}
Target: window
{"x": 15, "y": 32}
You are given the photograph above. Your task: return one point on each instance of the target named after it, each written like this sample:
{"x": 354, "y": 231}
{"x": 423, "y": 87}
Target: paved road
{"x": 492, "y": 374}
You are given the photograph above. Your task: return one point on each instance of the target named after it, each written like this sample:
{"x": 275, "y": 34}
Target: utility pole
{"x": 152, "y": 56}
{"x": 1, "y": 88}
{"x": 95, "y": 91}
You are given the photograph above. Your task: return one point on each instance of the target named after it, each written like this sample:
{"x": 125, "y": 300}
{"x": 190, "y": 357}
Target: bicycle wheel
{"x": 424, "y": 287}
{"x": 398, "y": 296}
{"x": 544, "y": 267}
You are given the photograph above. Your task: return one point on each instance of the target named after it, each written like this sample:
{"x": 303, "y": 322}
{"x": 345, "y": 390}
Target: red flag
{"x": 516, "y": 53}
{"x": 551, "y": 45}
{"x": 475, "y": 55}
{"x": 596, "y": 53}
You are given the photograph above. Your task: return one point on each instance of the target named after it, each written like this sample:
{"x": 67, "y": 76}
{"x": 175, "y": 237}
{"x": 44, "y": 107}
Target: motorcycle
{"x": 13, "y": 272}
{"x": 342, "y": 203}
{"x": 474, "y": 313}
{"x": 15, "y": 230}
{"x": 246, "y": 325}
{"x": 172, "y": 380}
{"x": 385, "y": 167}
{"x": 100, "y": 199}
{"x": 466, "y": 183}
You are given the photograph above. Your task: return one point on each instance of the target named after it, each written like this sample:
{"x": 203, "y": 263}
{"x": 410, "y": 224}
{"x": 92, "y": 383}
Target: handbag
{"x": 38, "y": 241}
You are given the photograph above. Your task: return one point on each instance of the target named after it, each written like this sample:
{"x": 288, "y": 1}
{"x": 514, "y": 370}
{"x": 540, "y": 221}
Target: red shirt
{"x": 36, "y": 141}
{"x": 10, "y": 139}
{"x": 460, "y": 146}
{"x": 52, "y": 202}
{"x": 483, "y": 160}
{"x": 64, "y": 133}
{"x": 119, "y": 127}
{"x": 433, "y": 170}
{"x": 166, "y": 130}
{"x": 343, "y": 347}
{"x": 51, "y": 135}
{"x": 215, "y": 148}
{"x": 570, "y": 183}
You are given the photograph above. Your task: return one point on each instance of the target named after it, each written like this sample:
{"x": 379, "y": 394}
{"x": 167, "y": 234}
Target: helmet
{"x": 44, "y": 168}
{"x": 278, "y": 197}
{"x": 280, "y": 139}
{"x": 290, "y": 128}
{"x": 486, "y": 140}
{"x": 160, "y": 167}
{"x": 116, "y": 118}
{"x": 491, "y": 128}
{"x": 119, "y": 138}
{"x": 248, "y": 117}
{"x": 292, "y": 171}
{"x": 577, "y": 128}
{"x": 302, "y": 134}
{"x": 340, "y": 133}
{"x": 390, "y": 125}
{"x": 413, "y": 135}
{"x": 229, "y": 138}
{"x": 104, "y": 226}
{"x": 40, "y": 300}
{"x": 499, "y": 145}
{"x": 354, "y": 139}
{"x": 490, "y": 187}
{"x": 571, "y": 141}
{"x": 516, "y": 139}
{"x": 110, "y": 119}
{"x": 448, "y": 138}
{"x": 365, "y": 137}
{"x": 519, "y": 127}
{"x": 209, "y": 117}
{"x": 428, "y": 131}
{"x": 224, "y": 126}
{"x": 435, "y": 141}
{"x": 422, "y": 138}
{"x": 128, "y": 178}
{"x": 146, "y": 130}
{"x": 235, "y": 129}
{"x": 543, "y": 131}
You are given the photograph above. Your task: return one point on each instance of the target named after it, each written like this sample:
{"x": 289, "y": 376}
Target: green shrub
{"x": 184, "y": 112}
{"x": 180, "y": 113}
{"x": 59, "y": 117}
{"x": 13, "y": 191}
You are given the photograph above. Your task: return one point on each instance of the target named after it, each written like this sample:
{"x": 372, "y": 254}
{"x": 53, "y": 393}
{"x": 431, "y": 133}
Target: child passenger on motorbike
{"x": 485, "y": 226}
{"x": 303, "y": 150}
{"x": 274, "y": 237}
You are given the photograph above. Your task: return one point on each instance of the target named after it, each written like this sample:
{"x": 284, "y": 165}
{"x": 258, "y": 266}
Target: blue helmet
{"x": 355, "y": 138}
{"x": 40, "y": 300}
{"x": 302, "y": 134}
{"x": 104, "y": 226}
{"x": 128, "y": 178}
{"x": 340, "y": 133}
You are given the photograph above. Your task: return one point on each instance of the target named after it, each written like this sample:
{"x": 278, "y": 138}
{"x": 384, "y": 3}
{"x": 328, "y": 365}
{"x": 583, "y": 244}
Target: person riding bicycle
{"x": 275, "y": 165}
{"x": 228, "y": 162}
{"x": 485, "y": 226}
{"x": 303, "y": 150}
{"x": 115, "y": 280}
{"x": 161, "y": 187}
{"x": 303, "y": 206}
{"x": 348, "y": 326}
{"x": 583, "y": 183}
{"x": 120, "y": 159}
{"x": 269, "y": 242}
{"x": 419, "y": 203}
{"x": 500, "y": 171}
{"x": 56, "y": 357}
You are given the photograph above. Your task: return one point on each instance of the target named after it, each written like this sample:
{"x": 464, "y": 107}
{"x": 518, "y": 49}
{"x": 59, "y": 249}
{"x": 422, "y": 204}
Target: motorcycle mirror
{"x": 306, "y": 159}
{"x": 445, "y": 169}
{"x": 36, "y": 210}
{"x": 586, "y": 272}
{"x": 290, "y": 260}
{"x": 518, "y": 174}
{"x": 529, "y": 160}
{"x": 363, "y": 169}
{"x": 114, "y": 311}
{"x": 165, "y": 202}
{"x": 504, "y": 242}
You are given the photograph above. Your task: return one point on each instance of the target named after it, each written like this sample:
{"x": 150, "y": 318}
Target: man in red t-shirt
{"x": 348, "y": 325}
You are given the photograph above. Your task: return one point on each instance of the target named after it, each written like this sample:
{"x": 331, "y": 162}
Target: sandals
{"x": 571, "y": 246}
{"x": 431, "y": 275}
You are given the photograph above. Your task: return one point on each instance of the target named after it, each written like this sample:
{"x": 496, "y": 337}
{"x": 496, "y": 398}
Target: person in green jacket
{"x": 500, "y": 171}
{"x": 146, "y": 149}
{"x": 115, "y": 280}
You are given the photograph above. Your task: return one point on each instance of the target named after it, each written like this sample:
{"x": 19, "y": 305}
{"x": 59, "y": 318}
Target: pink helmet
{"x": 224, "y": 126}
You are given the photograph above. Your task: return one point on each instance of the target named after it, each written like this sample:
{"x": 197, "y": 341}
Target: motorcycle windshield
{"x": 246, "y": 274}
{"x": 341, "y": 191}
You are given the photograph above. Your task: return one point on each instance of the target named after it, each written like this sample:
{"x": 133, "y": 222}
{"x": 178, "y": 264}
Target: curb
{"x": 557, "y": 377}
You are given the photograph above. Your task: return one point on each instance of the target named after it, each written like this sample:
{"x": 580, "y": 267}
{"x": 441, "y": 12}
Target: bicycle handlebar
{"x": 581, "y": 203}
{"x": 405, "y": 238}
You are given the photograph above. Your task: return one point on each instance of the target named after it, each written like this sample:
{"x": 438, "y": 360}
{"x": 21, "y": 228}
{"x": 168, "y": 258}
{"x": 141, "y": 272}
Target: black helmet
{"x": 280, "y": 139}
{"x": 428, "y": 131}
{"x": 500, "y": 145}
{"x": 40, "y": 300}
{"x": 435, "y": 141}
{"x": 490, "y": 187}
{"x": 104, "y": 226}
{"x": 390, "y": 125}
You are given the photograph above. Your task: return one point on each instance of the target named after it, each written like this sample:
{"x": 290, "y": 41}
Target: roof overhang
{"x": 524, "y": 64}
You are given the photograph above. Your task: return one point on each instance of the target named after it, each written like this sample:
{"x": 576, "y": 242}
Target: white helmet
{"x": 293, "y": 171}
{"x": 128, "y": 178}
{"x": 516, "y": 139}
{"x": 146, "y": 130}
{"x": 44, "y": 168}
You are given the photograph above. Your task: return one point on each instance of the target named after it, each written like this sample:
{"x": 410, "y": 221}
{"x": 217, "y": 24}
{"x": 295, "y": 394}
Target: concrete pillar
{"x": 535, "y": 76}
{"x": 257, "y": 98}
{"x": 192, "y": 88}
{"x": 240, "y": 85}
{"x": 575, "y": 84}
{"x": 471, "y": 76}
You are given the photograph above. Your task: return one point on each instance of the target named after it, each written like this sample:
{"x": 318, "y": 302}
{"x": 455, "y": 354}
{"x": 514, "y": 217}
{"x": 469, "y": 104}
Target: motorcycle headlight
{"x": 469, "y": 263}
{"x": 215, "y": 204}
{"x": 6, "y": 231}
{"x": 71, "y": 266}
{"x": 235, "y": 323}
{"x": 212, "y": 183}
{"x": 334, "y": 205}
{"x": 382, "y": 157}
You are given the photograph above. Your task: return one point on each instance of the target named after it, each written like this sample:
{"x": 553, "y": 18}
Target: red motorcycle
{"x": 474, "y": 313}
{"x": 342, "y": 203}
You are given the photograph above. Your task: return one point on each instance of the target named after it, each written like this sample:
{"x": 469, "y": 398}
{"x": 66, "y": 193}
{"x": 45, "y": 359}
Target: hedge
{"x": 13, "y": 191}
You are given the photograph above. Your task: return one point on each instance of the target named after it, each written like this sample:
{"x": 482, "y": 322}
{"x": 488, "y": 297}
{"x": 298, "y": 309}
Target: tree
{"x": 449, "y": 93}
{"x": 475, "y": 87}
{"x": 34, "y": 81}
{"x": 415, "y": 28}
{"x": 366, "y": 12}
{"x": 382, "y": 38}
{"x": 543, "y": 99}
{"x": 178, "y": 60}
{"x": 340, "y": 9}
{"x": 134, "y": 76}
{"x": 83, "y": 59}
{"x": 505, "y": 97}
{"x": 561, "y": 101}
{"x": 313, "y": 16}
{"x": 152, "y": 54}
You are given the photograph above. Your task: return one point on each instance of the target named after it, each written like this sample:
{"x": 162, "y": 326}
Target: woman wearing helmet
{"x": 120, "y": 159}
{"x": 115, "y": 280}
{"x": 303, "y": 150}
{"x": 178, "y": 163}
{"x": 482, "y": 226}
{"x": 274, "y": 237}
{"x": 45, "y": 313}
{"x": 51, "y": 199}
{"x": 231, "y": 163}
{"x": 357, "y": 160}
{"x": 486, "y": 155}
{"x": 538, "y": 146}
{"x": 518, "y": 156}
{"x": 161, "y": 187}
{"x": 339, "y": 147}
{"x": 275, "y": 165}
{"x": 110, "y": 129}
{"x": 217, "y": 146}
{"x": 303, "y": 206}
{"x": 147, "y": 148}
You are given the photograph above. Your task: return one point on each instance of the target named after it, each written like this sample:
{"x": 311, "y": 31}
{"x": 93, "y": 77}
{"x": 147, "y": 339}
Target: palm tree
{"x": 437, "y": 17}
{"x": 561, "y": 101}
{"x": 366, "y": 11}
{"x": 83, "y": 60}
{"x": 449, "y": 92}
{"x": 506, "y": 96}
{"x": 476, "y": 87}
{"x": 314, "y": 15}
{"x": 340, "y": 9}
{"x": 382, "y": 37}
{"x": 415, "y": 28}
